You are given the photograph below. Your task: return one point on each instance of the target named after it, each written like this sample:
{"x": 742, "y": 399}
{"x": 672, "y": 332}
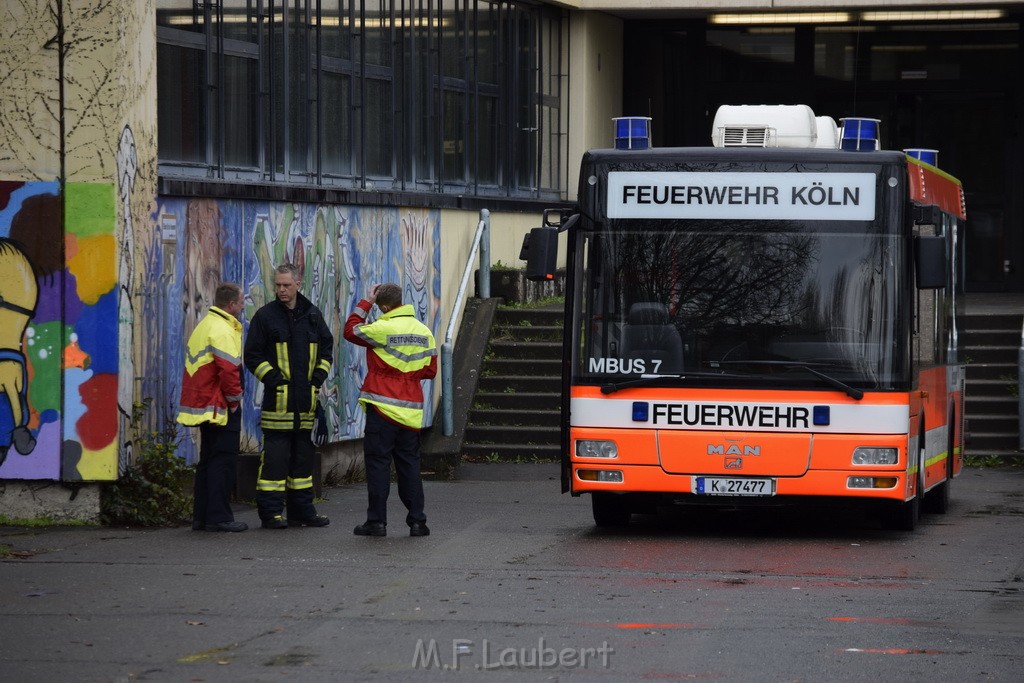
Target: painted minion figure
{"x": 19, "y": 293}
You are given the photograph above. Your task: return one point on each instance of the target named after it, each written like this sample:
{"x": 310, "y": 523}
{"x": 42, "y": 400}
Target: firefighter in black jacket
{"x": 289, "y": 349}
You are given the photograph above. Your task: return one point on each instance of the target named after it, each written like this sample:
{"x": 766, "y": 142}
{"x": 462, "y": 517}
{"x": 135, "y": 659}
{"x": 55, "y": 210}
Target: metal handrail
{"x": 481, "y": 243}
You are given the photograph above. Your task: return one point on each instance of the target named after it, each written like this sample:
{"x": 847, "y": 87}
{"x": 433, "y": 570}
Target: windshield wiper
{"x": 653, "y": 379}
{"x": 852, "y": 392}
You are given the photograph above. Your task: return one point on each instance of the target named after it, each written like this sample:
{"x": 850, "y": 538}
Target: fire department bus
{"x": 772, "y": 319}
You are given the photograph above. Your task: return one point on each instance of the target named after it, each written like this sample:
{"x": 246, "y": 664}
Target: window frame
{"x": 528, "y": 46}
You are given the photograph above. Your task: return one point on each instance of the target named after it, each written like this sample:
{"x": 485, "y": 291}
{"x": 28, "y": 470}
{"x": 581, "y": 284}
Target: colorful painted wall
{"x": 77, "y": 173}
{"x": 340, "y": 250}
{"x": 58, "y": 313}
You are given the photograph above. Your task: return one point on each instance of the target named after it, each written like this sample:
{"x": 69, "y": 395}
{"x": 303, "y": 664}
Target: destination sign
{"x": 747, "y": 196}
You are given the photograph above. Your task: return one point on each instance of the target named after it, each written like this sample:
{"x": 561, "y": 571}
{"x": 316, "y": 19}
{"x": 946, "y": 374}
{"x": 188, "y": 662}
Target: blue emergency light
{"x": 632, "y": 132}
{"x": 859, "y": 134}
{"x": 641, "y": 411}
{"x": 822, "y": 416}
{"x": 928, "y": 156}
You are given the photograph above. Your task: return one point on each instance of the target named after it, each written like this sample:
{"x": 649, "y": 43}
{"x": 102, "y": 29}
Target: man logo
{"x": 734, "y": 463}
{"x": 733, "y": 449}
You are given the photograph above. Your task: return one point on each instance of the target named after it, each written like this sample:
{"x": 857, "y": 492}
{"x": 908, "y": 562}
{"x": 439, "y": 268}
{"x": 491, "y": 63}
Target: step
{"x": 989, "y": 338}
{"x": 1010, "y": 456}
{"x": 991, "y": 388}
{"x": 512, "y": 451}
{"x": 492, "y": 416}
{"x": 527, "y": 366}
{"x": 529, "y": 350}
{"x": 992, "y": 321}
{"x": 496, "y": 384}
{"x": 517, "y": 401}
{"x": 990, "y": 405}
{"x": 524, "y": 434}
{"x": 986, "y": 441}
{"x": 974, "y": 355}
{"x": 978, "y": 371}
{"x": 501, "y": 332}
{"x": 534, "y": 316}
{"x": 993, "y": 424}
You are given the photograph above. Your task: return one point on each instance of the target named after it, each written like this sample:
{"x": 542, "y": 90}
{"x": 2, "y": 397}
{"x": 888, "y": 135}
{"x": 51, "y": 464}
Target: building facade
{"x": 151, "y": 149}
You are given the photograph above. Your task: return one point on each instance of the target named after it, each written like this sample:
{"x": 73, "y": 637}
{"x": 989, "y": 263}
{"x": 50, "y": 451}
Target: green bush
{"x": 155, "y": 490}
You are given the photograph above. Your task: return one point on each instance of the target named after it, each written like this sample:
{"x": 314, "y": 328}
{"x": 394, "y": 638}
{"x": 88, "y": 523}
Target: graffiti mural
{"x": 127, "y": 172}
{"x": 339, "y": 250}
{"x": 63, "y": 340}
{"x": 18, "y": 295}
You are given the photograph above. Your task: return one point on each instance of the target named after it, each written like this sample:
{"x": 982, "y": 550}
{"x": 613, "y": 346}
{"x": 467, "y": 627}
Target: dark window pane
{"x": 487, "y": 141}
{"x": 241, "y": 112}
{"x": 336, "y": 144}
{"x": 300, "y": 119}
{"x": 526, "y": 105}
{"x": 180, "y": 108}
{"x": 454, "y": 152}
{"x": 377, "y": 138}
{"x": 487, "y": 44}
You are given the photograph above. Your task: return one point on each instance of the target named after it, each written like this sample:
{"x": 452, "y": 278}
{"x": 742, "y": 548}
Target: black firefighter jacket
{"x": 291, "y": 352}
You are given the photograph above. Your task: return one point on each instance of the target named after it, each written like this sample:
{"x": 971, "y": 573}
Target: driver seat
{"x": 648, "y": 335}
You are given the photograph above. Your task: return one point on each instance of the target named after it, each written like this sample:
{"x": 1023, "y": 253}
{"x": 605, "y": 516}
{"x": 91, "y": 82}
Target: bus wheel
{"x": 609, "y": 510}
{"x": 905, "y": 517}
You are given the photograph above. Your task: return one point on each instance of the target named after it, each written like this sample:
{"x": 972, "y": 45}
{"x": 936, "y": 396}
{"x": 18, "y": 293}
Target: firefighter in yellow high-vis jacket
{"x": 211, "y": 397}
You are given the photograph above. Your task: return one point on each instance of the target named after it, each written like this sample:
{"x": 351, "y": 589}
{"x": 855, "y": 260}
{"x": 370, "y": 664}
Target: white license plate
{"x": 733, "y": 486}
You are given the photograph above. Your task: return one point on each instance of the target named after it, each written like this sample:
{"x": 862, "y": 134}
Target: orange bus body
{"x": 801, "y": 463}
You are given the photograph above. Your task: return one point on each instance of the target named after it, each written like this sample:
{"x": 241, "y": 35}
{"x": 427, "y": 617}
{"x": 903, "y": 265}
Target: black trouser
{"x": 215, "y": 472}
{"x": 286, "y": 475}
{"x": 385, "y": 440}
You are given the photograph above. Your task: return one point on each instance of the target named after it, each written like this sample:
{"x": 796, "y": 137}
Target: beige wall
{"x": 29, "y": 108}
{"x": 457, "y": 231}
{"x": 595, "y": 94}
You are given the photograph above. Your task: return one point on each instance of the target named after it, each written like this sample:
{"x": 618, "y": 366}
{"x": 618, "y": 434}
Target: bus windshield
{"x": 742, "y": 303}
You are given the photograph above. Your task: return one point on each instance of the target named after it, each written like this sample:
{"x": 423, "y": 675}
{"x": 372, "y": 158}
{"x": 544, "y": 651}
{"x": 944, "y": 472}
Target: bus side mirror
{"x": 540, "y": 251}
{"x": 930, "y": 261}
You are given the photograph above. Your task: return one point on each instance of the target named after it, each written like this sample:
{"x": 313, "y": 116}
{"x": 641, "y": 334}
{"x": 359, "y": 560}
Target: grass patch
{"x": 536, "y": 303}
{"x": 994, "y": 461}
{"x": 40, "y": 522}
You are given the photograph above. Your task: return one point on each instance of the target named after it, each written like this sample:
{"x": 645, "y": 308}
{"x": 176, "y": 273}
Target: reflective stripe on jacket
{"x": 400, "y": 353}
{"x": 212, "y": 380}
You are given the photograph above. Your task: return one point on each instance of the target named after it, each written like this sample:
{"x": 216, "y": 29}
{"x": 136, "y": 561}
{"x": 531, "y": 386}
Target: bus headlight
{"x": 872, "y": 455}
{"x": 586, "y": 448}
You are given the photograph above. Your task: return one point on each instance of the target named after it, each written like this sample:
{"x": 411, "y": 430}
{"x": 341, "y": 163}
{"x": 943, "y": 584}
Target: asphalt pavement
{"x": 516, "y": 583}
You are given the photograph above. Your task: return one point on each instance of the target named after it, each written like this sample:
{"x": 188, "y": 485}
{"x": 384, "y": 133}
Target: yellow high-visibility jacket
{"x": 212, "y": 381}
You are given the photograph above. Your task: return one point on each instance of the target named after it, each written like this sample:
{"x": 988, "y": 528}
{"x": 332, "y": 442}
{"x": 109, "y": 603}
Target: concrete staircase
{"x": 515, "y": 412}
{"x": 989, "y": 347}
